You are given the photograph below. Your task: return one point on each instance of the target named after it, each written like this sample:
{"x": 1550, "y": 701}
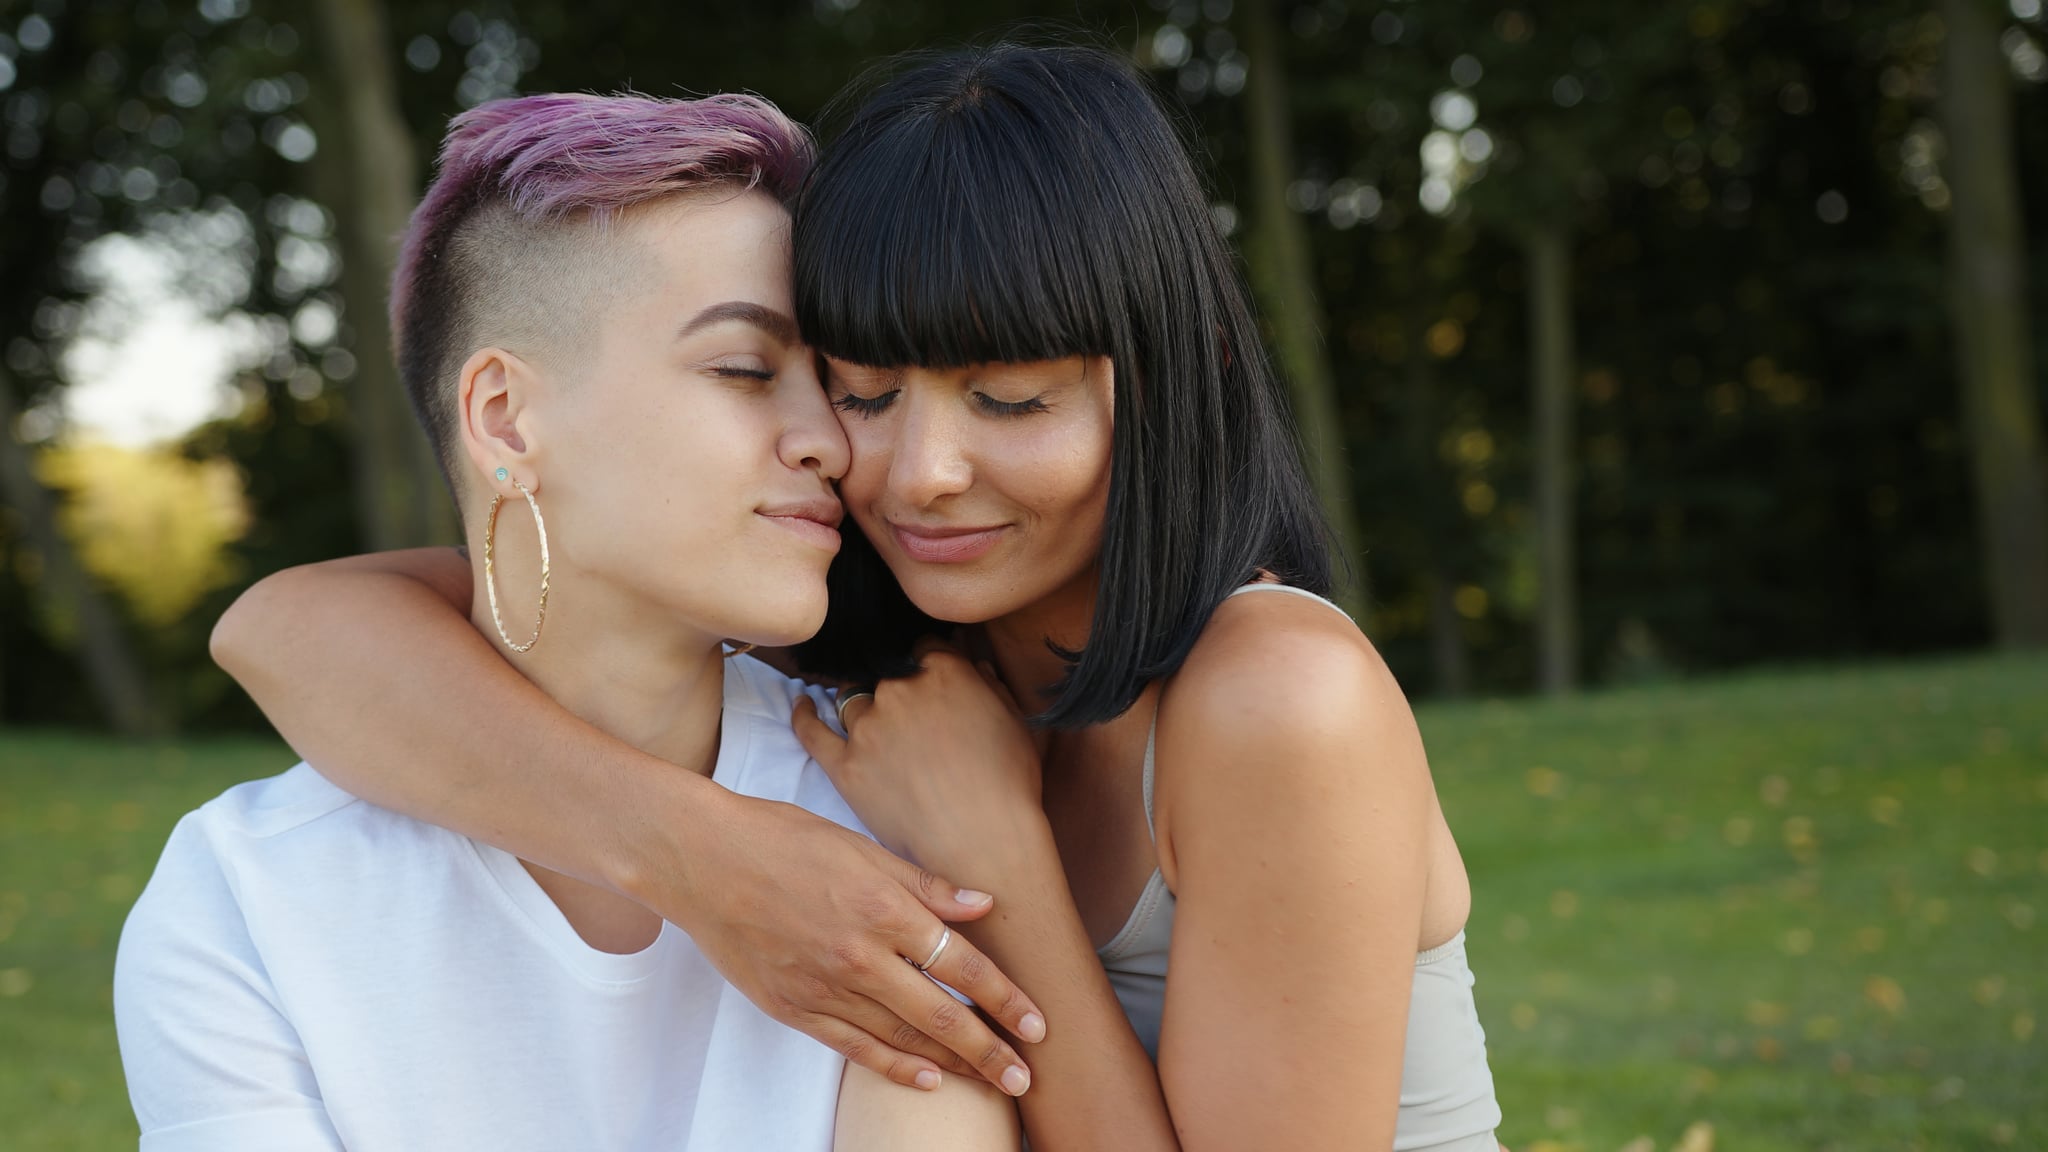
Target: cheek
{"x": 1061, "y": 475}
{"x": 869, "y": 446}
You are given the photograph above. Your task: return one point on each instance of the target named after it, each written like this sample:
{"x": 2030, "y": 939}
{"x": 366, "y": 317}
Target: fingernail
{"x": 928, "y": 1080}
{"x": 1031, "y": 1027}
{"x": 1016, "y": 1080}
{"x": 971, "y": 898}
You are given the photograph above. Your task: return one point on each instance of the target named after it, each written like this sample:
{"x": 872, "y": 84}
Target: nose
{"x": 928, "y": 459}
{"x": 811, "y": 436}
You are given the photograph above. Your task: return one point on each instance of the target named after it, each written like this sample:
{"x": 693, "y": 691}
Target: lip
{"x": 816, "y": 521}
{"x": 945, "y": 545}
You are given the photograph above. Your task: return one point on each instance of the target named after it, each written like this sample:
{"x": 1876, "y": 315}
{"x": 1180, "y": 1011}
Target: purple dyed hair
{"x": 558, "y": 157}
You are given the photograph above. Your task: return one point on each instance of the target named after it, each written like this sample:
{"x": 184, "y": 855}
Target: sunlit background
{"x": 1673, "y": 370}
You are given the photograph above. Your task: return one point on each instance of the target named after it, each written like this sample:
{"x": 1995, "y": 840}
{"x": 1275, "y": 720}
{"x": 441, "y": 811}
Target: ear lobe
{"x": 491, "y": 393}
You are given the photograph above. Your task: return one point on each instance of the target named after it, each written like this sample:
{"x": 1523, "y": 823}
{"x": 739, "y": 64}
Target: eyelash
{"x": 873, "y": 406}
{"x": 865, "y": 406}
{"x": 731, "y": 373}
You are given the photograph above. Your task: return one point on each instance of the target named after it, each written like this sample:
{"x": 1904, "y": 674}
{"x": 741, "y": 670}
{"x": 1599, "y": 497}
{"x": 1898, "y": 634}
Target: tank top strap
{"x": 1151, "y": 735}
{"x": 1292, "y": 590}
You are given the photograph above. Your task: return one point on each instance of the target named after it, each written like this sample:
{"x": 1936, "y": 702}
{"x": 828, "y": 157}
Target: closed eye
{"x": 995, "y": 407}
{"x": 733, "y": 372}
{"x": 866, "y": 405}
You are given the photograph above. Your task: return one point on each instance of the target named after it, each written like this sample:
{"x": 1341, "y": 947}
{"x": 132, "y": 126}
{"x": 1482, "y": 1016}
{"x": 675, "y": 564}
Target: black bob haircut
{"x": 1017, "y": 203}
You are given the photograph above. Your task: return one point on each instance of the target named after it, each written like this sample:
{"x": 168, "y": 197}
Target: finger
{"x": 941, "y": 896}
{"x": 969, "y": 971}
{"x": 927, "y": 647}
{"x": 825, "y": 746}
{"x": 877, "y": 1020}
{"x": 953, "y": 1024}
{"x": 853, "y": 706}
{"x": 860, "y": 1046}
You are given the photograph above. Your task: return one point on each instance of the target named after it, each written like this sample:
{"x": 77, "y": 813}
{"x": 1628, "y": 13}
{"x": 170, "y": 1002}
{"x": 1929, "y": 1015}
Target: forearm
{"x": 1092, "y": 1085}
{"x": 378, "y": 679}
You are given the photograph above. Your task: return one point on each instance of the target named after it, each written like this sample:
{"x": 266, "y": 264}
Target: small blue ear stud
{"x": 502, "y": 474}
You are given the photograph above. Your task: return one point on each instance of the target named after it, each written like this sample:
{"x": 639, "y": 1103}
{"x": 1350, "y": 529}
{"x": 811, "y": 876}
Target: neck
{"x": 626, "y": 669}
{"x": 1020, "y": 641}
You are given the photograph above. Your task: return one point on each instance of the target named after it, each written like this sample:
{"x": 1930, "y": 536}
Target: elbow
{"x": 235, "y": 640}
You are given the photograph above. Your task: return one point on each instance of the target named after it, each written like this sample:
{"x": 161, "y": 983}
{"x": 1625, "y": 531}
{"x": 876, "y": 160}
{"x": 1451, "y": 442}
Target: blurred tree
{"x": 1558, "y": 149}
{"x": 48, "y": 65}
{"x": 1282, "y": 272}
{"x": 1753, "y": 193}
{"x": 110, "y": 662}
{"x": 370, "y": 176}
{"x": 1988, "y": 306}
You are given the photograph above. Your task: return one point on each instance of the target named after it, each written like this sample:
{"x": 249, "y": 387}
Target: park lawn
{"x": 1801, "y": 910}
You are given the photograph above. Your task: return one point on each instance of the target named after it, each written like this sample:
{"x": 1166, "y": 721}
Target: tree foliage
{"x": 1767, "y": 448}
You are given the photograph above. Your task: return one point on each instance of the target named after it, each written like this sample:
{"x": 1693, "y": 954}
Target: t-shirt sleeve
{"x": 212, "y": 1062}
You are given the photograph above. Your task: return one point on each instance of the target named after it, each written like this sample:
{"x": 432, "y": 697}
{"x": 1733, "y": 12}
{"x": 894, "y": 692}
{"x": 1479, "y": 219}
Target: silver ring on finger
{"x": 842, "y": 702}
{"x": 945, "y": 938}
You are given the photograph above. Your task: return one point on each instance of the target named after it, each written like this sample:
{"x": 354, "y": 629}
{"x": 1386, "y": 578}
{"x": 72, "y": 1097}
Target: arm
{"x": 211, "y": 1060}
{"x": 370, "y": 668}
{"x": 1293, "y": 833}
{"x": 940, "y": 767}
{"x": 962, "y": 1116}
{"x": 1293, "y": 828}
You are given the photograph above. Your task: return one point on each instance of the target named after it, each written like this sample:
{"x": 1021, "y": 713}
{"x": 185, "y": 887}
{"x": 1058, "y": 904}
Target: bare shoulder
{"x": 1272, "y": 665}
{"x": 1284, "y": 710}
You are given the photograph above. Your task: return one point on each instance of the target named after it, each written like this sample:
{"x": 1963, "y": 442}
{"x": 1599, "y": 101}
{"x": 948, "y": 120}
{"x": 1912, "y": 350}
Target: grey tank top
{"x": 1447, "y": 1100}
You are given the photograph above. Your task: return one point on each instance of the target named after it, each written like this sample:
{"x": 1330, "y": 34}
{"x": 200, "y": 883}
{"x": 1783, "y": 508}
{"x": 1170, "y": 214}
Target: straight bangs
{"x": 947, "y": 237}
{"x": 1012, "y": 204}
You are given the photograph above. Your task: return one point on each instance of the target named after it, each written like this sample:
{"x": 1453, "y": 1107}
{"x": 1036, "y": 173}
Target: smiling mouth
{"x": 945, "y": 545}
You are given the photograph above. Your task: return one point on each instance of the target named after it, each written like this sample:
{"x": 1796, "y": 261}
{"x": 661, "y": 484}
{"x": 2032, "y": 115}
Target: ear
{"x": 491, "y": 395}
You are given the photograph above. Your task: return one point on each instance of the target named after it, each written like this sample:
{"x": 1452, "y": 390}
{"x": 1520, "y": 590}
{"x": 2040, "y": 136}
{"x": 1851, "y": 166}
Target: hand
{"x": 812, "y": 922}
{"x": 940, "y": 768}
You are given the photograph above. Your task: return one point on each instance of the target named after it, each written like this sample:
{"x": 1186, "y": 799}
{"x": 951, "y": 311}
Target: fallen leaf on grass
{"x": 1885, "y": 992}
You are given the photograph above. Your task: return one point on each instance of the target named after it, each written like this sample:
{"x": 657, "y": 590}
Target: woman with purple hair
{"x": 594, "y": 319}
{"x": 1087, "y": 585}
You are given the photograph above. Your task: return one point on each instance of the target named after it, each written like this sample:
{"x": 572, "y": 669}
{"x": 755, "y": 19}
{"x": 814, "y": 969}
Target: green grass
{"x": 1809, "y": 910}
{"x": 1805, "y": 909}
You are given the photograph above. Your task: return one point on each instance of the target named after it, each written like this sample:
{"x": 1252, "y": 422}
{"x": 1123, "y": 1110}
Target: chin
{"x": 959, "y": 601}
{"x": 779, "y": 623}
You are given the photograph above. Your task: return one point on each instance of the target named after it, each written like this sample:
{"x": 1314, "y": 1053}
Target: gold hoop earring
{"x": 742, "y": 650}
{"x": 490, "y": 580}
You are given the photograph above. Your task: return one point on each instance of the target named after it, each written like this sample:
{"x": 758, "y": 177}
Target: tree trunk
{"x": 1286, "y": 280}
{"x": 1548, "y": 250}
{"x": 1436, "y": 509}
{"x": 371, "y": 178}
{"x": 111, "y": 666}
{"x": 1988, "y": 306}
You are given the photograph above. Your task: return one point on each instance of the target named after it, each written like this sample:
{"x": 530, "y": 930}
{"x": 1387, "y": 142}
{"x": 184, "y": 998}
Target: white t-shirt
{"x": 308, "y": 971}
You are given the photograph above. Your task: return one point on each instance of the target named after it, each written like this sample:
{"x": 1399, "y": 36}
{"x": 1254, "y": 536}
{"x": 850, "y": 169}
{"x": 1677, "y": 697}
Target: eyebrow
{"x": 775, "y": 324}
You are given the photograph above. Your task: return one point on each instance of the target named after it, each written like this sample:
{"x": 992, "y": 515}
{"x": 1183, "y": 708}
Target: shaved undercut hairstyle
{"x": 513, "y": 244}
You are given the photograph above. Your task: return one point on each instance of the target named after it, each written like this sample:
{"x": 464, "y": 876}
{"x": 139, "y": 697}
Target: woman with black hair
{"x": 1071, "y": 459}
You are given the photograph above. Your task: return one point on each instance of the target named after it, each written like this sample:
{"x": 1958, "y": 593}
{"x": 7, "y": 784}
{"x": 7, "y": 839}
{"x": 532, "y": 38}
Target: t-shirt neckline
{"x": 537, "y": 910}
